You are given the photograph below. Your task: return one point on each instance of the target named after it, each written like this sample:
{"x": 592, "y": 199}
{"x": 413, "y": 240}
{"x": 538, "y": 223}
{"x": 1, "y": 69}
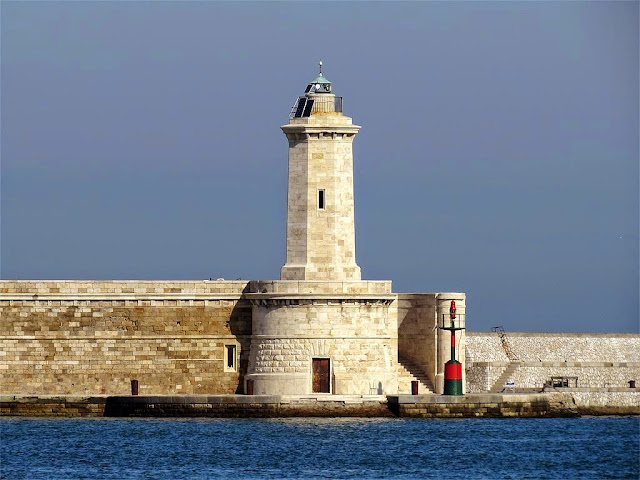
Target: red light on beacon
{"x": 452, "y": 309}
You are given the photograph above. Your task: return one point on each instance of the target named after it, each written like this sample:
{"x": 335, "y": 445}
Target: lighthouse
{"x": 320, "y": 209}
{"x": 321, "y": 329}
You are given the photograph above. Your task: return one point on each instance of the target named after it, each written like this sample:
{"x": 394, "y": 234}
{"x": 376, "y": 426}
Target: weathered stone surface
{"x": 93, "y": 338}
{"x": 602, "y": 361}
{"x": 421, "y": 344}
{"x": 421, "y": 406}
{"x": 352, "y": 325}
{"x": 543, "y": 405}
{"x": 320, "y": 231}
{"x": 607, "y": 402}
{"x": 555, "y": 347}
{"x": 52, "y": 406}
{"x": 170, "y": 336}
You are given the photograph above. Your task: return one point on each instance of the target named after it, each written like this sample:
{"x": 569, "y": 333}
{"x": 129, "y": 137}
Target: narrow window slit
{"x": 230, "y": 360}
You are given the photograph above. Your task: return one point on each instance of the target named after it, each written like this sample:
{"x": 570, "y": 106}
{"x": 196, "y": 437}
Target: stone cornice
{"x": 621, "y": 335}
{"x": 319, "y": 288}
{"x": 97, "y": 297}
{"x": 119, "y": 336}
{"x": 554, "y": 364}
{"x": 288, "y": 299}
{"x": 317, "y": 129}
{"x": 254, "y": 298}
{"x": 322, "y": 337}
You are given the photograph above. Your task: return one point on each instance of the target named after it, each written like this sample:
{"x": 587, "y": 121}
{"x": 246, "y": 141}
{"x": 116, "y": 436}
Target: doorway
{"x": 321, "y": 375}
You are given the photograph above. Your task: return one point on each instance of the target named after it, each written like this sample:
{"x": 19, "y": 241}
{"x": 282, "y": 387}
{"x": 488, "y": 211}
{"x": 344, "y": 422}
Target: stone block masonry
{"x": 422, "y": 346}
{"x": 350, "y": 325}
{"x": 205, "y": 337}
{"x": 320, "y": 206}
{"x": 278, "y": 406}
{"x": 555, "y": 347}
{"x": 549, "y": 405}
{"x": 417, "y": 332}
{"x": 92, "y": 338}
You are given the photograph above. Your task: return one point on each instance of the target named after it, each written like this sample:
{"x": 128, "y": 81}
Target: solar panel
{"x": 307, "y": 108}
{"x": 300, "y": 107}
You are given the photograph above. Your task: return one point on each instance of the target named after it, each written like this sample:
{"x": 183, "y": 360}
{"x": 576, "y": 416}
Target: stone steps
{"x": 506, "y": 375}
{"x": 407, "y": 372}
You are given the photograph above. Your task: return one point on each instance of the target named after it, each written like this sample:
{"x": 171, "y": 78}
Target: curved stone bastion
{"x": 348, "y": 328}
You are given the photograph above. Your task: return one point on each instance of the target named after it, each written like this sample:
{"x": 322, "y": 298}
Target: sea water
{"x": 518, "y": 448}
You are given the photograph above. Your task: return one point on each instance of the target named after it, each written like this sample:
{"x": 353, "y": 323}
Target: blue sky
{"x": 498, "y": 154}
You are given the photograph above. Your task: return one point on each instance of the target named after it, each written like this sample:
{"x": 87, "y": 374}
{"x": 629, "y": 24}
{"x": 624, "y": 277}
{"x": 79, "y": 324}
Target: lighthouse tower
{"x": 321, "y": 329}
{"x": 320, "y": 212}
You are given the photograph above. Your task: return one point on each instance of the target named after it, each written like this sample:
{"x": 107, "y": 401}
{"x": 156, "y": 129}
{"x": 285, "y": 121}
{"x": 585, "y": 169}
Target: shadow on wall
{"x": 240, "y": 324}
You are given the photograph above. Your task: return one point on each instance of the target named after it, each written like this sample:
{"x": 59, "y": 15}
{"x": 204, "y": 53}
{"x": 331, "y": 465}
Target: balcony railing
{"x": 306, "y": 106}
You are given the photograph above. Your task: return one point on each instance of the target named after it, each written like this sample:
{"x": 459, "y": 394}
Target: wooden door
{"x": 321, "y": 375}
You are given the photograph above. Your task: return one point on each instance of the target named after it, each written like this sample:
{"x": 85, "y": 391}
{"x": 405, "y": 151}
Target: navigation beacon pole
{"x": 453, "y": 368}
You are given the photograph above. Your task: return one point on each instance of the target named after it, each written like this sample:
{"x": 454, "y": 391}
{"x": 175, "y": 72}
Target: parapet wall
{"x": 16, "y": 289}
{"x": 319, "y": 288}
{"x": 555, "y": 347}
{"x": 175, "y": 337}
{"x": 94, "y": 337}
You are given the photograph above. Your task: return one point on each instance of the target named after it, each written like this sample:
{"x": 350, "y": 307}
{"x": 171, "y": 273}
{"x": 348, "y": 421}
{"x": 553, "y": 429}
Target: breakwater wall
{"x": 274, "y": 406}
{"x": 64, "y": 337}
{"x": 94, "y": 337}
{"x": 528, "y": 361}
{"x": 484, "y": 405}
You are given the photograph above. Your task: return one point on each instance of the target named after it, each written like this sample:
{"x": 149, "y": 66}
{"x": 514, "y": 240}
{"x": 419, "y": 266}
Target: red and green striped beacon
{"x": 453, "y": 368}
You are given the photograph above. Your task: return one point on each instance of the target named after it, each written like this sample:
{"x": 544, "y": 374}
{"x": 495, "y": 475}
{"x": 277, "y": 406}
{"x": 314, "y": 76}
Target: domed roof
{"x": 320, "y": 79}
{"x": 320, "y": 84}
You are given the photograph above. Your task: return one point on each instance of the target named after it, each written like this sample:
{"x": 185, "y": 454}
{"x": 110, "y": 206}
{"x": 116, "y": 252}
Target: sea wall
{"x": 94, "y": 337}
{"x": 611, "y": 401}
{"x": 225, "y": 406}
{"x": 172, "y": 337}
{"x": 487, "y": 405}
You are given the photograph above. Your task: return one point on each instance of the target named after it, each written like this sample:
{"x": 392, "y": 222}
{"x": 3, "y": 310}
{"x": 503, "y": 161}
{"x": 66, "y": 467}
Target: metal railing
{"x": 505, "y": 343}
{"x": 338, "y": 105}
{"x": 306, "y": 106}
